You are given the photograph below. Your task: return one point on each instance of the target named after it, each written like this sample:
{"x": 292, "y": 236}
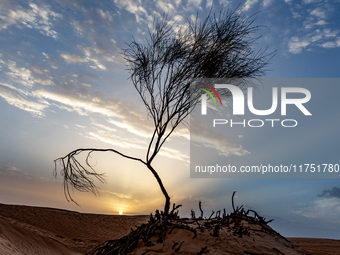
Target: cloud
{"x": 52, "y": 60}
{"x": 325, "y": 207}
{"x": 329, "y": 45}
{"x": 134, "y": 7}
{"x": 114, "y": 140}
{"x": 325, "y": 38}
{"x": 80, "y": 103}
{"x": 165, "y": 6}
{"x": 44, "y": 82}
{"x": 202, "y": 134}
{"x": 105, "y": 15}
{"x": 93, "y": 55}
{"x": 196, "y": 3}
{"x": 296, "y": 45}
{"x": 249, "y": 4}
{"x": 28, "y": 76}
{"x": 322, "y": 209}
{"x": 78, "y": 26}
{"x": 36, "y": 17}
{"x": 72, "y": 58}
{"x": 174, "y": 154}
{"x": 18, "y": 98}
{"x": 319, "y": 13}
{"x": 266, "y": 3}
{"x": 19, "y": 75}
{"x": 311, "y": 1}
{"x": 316, "y": 29}
{"x": 120, "y": 195}
{"x": 8, "y": 168}
{"x": 111, "y": 136}
{"x": 329, "y": 33}
{"x": 101, "y": 126}
{"x": 210, "y": 3}
{"x": 225, "y": 3}
{"x": 121, "y": 113}
{"x": 334, "y": 192}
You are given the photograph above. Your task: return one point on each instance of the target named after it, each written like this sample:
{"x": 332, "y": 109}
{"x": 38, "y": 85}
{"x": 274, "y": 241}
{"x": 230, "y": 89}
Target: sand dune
{"x": 260, "y": 239}
{"x": 20, "y": 238}
{"x": 35, "y": 230}
{"x": 59, "y": 231}
{"x": 317, "y": 246}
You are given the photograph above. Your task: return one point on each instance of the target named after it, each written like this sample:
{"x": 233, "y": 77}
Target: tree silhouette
{"x": 221, "y": 46}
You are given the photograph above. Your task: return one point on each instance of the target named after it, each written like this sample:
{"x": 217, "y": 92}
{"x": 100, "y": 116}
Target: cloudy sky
{"x": 64, "y": 85}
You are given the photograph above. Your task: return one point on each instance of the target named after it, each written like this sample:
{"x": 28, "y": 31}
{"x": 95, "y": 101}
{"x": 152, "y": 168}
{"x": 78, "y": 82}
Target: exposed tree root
{"x": 160, "y": 225}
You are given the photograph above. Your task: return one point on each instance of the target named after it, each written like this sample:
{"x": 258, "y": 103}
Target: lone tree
{"x": 221, "y": 46}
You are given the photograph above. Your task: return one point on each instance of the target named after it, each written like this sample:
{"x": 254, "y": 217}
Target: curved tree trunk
{"x": 165, "y": 193}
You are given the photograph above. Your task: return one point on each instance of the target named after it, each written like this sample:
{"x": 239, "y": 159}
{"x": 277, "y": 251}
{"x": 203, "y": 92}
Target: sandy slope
{"x": 19, "y": 238}
{"x": 317, "y": 246}
{"x": 53, "y": 228}
{"x": 35, "y": 230}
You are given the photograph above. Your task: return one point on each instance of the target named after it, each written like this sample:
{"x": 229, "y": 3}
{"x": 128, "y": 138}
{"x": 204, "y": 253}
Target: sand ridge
{"x": 36, "y": 230}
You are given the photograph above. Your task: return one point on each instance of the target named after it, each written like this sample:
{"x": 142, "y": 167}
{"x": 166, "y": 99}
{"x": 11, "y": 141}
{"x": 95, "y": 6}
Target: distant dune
{"x": 35, "y": 230}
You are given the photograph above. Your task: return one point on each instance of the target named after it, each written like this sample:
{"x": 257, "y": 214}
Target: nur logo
{"x": 239, "y": 100}
{"x": 204, "y": 97}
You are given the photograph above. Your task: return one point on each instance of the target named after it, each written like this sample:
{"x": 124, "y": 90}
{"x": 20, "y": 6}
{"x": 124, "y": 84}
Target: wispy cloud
{"x": 322, "y": 209}
{"x": 249, "y": 4}
{"x": 325, "y": 38}
{"x": 202, "y": 134}
{"x": 319, "y": 13}
{"x": 19, "y": 99}
{"x": 325, "y": 207}
{"x": 105, "y": 14}
{"x": 73, "y": 58}
{"x": 166, "y": 6}
{"x": 316, "y": 28}
{"x": 296, "y": 45}
{"x": 311, "y": 1}
{"x": 121, "y": 113}
{"x": 36, "y": 17}
{"x": 174, "y": 154}
{"x": 225, "y": 3}
{"x": 120, "y": 195}
{"x": 28, "y": 76}
{"x": 266, "y": 3}
{"x": 20, "y": 75}
{"x": 135, "y": 7}
{"x": 116, "y": 141}
{"x": 93, "y": 57}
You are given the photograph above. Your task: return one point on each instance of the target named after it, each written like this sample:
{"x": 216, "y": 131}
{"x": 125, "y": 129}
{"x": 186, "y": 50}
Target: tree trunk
{"x": 165, "y": 193}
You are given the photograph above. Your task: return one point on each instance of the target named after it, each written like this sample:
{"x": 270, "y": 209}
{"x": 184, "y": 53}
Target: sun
{"x": 120, "y": 212}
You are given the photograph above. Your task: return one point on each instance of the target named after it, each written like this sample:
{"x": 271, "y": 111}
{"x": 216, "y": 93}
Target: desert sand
{"x": 35, "y": 230}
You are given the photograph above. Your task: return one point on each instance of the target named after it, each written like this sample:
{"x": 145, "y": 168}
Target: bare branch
{"x": 81, "y": 177}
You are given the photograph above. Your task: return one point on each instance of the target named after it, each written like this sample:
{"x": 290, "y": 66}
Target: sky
{"x": 64, "y": 85}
